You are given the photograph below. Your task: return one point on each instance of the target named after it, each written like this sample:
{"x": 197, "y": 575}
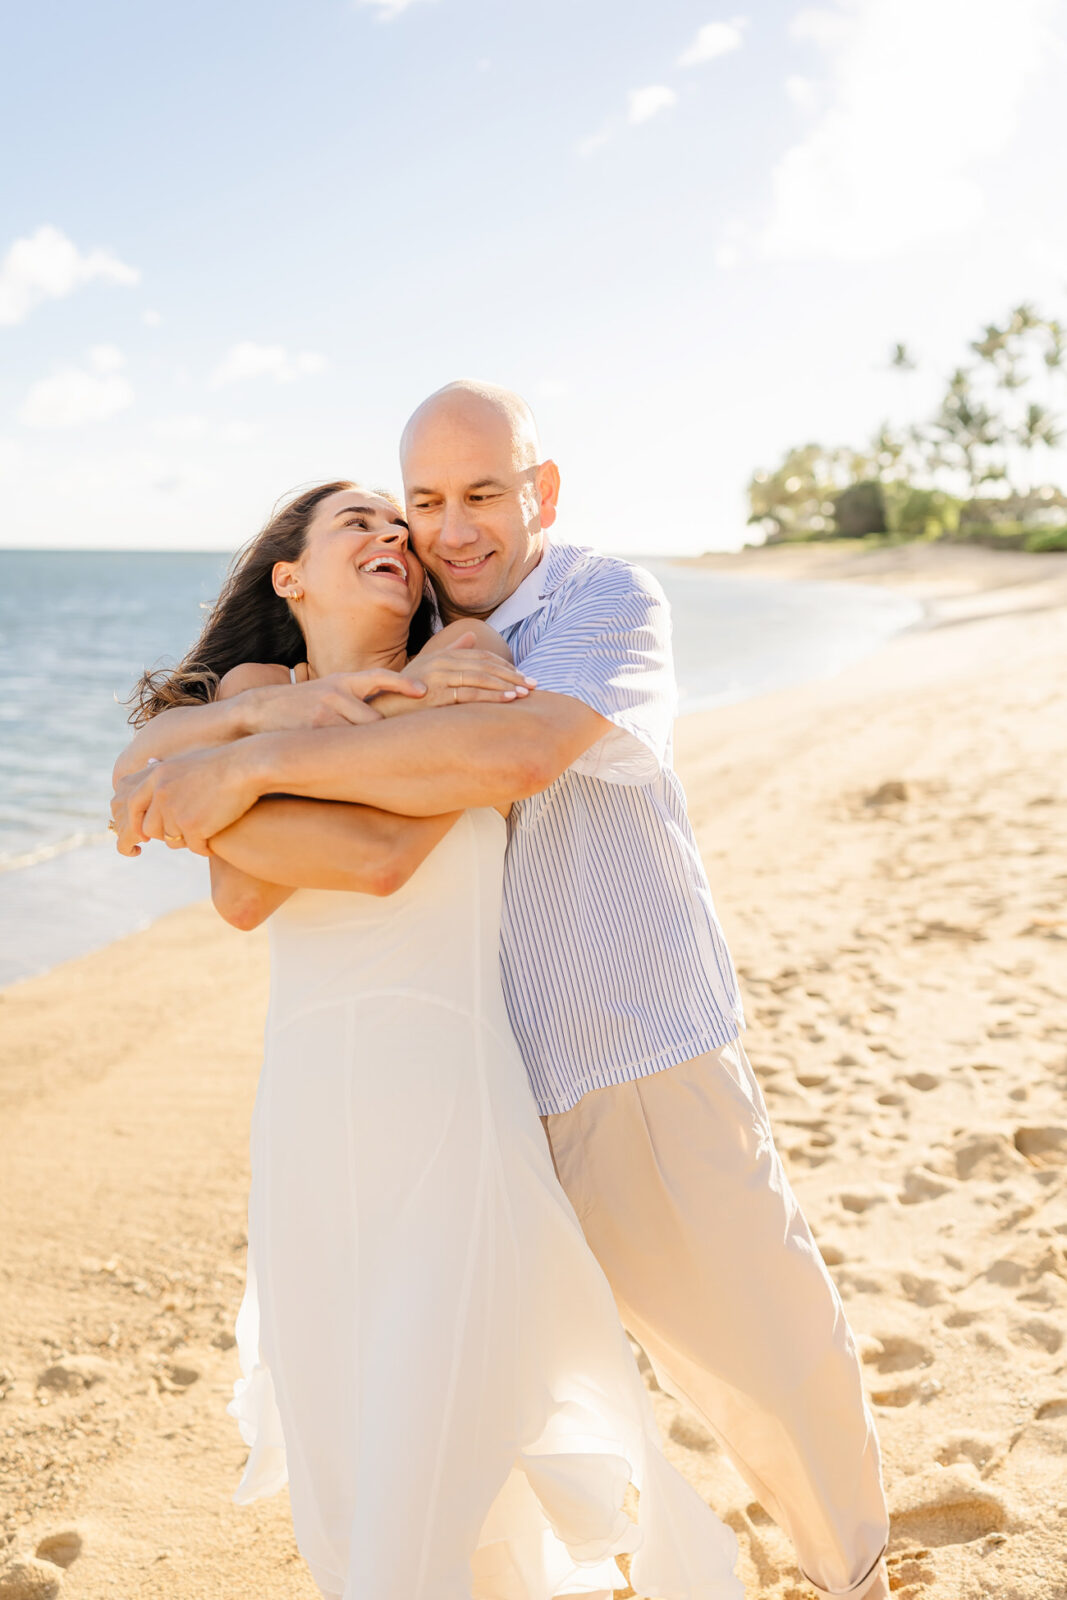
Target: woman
{"x": 429, "y": 1351}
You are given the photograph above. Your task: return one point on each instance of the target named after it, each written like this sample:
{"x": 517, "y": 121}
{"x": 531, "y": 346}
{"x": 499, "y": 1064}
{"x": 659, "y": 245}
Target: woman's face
{"x": 356, "y": 560}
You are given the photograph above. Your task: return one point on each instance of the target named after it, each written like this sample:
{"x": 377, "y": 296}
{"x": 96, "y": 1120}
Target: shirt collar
{"x": 529, "y": 597}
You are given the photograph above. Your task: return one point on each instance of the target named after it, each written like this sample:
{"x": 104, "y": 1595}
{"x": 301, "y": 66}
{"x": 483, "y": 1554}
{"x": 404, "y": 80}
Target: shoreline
{"x": 953, "y": 584}
{"x": 67, "y": 897}
{"x": 886, "y": 852}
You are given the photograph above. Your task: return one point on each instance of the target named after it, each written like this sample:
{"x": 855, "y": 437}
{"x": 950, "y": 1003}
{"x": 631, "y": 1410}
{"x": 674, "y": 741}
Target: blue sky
{"x": 242, "y": 241}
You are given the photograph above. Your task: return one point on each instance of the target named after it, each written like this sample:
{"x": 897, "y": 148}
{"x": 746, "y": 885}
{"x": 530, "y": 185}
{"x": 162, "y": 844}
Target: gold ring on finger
{"x": 172, "y": 838}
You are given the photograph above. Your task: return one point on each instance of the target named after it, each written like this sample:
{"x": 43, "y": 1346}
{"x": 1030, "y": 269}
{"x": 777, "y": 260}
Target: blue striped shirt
{"x": 613, "y": 961}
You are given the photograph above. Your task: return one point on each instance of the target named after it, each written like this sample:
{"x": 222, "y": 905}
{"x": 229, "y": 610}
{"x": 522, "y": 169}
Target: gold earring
{"x": 296, "y": 594}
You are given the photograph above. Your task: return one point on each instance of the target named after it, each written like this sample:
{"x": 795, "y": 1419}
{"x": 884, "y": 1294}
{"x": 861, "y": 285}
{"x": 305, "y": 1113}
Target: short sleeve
{"x": 606, "y": 640}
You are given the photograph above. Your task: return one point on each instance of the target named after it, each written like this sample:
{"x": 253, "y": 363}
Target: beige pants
{"x": 683, "y": 1199}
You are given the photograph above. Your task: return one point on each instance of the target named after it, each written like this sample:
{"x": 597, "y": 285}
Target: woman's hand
{"x": 328, "y": 702}
{"x": 460, "y": 675}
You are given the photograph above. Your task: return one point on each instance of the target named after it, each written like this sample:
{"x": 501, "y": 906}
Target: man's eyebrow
{"x": 488, "y": 483}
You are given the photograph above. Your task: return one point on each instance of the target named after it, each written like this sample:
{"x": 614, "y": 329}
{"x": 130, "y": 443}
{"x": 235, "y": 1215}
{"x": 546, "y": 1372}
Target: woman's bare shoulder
{"x": 252, "y": 675}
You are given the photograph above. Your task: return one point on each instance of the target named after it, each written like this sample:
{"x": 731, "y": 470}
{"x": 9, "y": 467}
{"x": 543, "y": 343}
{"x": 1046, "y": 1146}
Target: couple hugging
{"x": 487, "y": 911}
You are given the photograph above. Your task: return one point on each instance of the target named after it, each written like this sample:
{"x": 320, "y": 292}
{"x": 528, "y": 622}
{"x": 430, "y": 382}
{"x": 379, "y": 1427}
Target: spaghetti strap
{"x": 292, "y": 674}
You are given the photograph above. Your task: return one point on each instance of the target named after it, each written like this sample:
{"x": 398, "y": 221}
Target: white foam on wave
{"x": 48, "y": 852}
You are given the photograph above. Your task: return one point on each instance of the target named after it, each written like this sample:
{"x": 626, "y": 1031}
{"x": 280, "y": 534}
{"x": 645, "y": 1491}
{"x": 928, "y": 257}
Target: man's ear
{"x": 548, "y": 492}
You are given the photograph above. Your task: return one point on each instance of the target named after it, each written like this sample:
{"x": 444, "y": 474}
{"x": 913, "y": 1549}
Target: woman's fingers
{"x": 380, "y": 682}
{"x": 479, "y": 679}
{"x": 474, "y": 661}
{"x": 497, "y": 695}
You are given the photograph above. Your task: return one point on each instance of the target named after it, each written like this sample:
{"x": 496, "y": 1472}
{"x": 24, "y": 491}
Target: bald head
{"x": 478, "y": 494}
{"x": 471, "y": 408}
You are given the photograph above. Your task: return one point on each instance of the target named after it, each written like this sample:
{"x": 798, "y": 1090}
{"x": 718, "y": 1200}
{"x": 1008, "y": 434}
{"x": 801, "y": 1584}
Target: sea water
{"x": 77, "y": 628}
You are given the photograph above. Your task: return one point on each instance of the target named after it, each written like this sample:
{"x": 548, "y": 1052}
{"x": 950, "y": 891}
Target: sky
{"x": 240, "y": 242}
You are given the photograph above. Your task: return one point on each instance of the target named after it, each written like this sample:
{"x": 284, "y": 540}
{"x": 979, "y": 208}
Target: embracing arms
{"x": 451, "y": 760}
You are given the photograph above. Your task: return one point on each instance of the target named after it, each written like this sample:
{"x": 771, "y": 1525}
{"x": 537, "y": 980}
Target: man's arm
{"x": 446, "y": 761}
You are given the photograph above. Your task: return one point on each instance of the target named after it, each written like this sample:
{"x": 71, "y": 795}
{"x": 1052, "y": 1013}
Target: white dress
{"x": 430, "y": 1353}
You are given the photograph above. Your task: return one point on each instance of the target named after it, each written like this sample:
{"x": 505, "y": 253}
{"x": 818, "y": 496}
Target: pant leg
{"x": 686, "y": 1206}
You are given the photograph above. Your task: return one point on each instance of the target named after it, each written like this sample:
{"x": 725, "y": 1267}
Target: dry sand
{"x": 888, "y": 853}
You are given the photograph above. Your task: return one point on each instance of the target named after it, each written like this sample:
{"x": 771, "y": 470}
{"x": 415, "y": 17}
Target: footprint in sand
{"x": 175, "y": 1378}
{"x": 61, "y": 1549}
{"x": 896, "y": 1353}
{"x": 74, "y": 1373}
{"x": 25, "y": 1578}
{"x": 977, "y": 1448}
{"x": 687, "y": 1432}
{"x": 1042, "y": 1147}
{"x": 987, "y": 1156}
{"x": 859, "y": 1203}
{"x": 923, "y": 1081}
{"x": 920, "y": 1185}
{"x": 949, "y": 1505}
{"x": 1044, "y": 1335}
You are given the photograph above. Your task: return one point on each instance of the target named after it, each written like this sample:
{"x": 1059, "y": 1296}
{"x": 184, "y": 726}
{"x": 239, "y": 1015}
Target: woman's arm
{"x": 243, "y": 899}
{"x": 285, "y": 844}
{"x": 314, "y": 844}
{"x": 259, "y": 698}
{"x": 183, "y": 728}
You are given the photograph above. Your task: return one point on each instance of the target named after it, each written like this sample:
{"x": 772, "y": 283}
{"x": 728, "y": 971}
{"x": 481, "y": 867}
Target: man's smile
{"x": 471, "y": 564}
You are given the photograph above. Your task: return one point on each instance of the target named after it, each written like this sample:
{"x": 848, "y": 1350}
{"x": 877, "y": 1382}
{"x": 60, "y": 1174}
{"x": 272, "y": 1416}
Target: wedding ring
{"x": 173, "y": 838}
{"x": 455, "y": 695}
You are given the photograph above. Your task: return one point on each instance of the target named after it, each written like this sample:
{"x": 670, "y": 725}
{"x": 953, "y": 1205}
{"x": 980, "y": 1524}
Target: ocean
{"x": 78, "y": 627}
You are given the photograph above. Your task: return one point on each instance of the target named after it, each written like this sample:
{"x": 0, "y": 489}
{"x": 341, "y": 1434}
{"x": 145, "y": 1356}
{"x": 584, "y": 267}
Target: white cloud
{"x": 714, "y": 39}
{"x": 595, "y": 141}
{"x": 74, "y": 396}
{"x": 151, "y": 319}
{"x": 802, "y": 92}
{"x": 106, "y": 358}
{"x": 180, "y": 429}
{"x": 916, "y": 93}
{"x": 47, "y": 266}
{"x": 238, "y": 432}
{"x": 250, "y": 360}
{"x": 10, "y": 456}
{"x": 386, "y": 10}
{"x": 647, "y": 103}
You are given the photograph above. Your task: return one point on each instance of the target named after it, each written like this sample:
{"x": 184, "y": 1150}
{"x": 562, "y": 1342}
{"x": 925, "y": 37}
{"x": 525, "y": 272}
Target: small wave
{"x": 48, "y": 852}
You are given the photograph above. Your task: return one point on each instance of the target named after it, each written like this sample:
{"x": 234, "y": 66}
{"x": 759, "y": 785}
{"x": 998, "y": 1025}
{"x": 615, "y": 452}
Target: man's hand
{"x": 185, "y": 800}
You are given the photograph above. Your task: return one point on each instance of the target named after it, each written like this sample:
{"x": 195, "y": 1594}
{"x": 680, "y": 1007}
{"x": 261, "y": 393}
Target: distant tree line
{"x": 974, "y": 469}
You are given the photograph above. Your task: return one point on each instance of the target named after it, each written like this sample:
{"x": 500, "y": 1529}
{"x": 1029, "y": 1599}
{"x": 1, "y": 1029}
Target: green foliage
{"x": 1012, "y": 536}
{"x": 860, "y": 509}
{"x": 971, "y": 462}
{"x": 1046, "y": 539}
{"x": 920, "y": 513}
{"x": 795, "y": 501}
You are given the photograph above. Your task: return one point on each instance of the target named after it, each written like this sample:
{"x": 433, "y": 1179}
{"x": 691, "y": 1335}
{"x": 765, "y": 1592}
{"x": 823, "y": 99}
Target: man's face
{"x": 476, "y": 513}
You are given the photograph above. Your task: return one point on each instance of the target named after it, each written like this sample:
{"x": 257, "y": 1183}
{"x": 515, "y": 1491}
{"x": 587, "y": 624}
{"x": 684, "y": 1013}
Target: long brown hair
{"x": 250, "y": 621}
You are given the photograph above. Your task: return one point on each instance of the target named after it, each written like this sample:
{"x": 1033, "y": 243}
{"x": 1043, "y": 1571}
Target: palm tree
{"x": 1039, "y": 426}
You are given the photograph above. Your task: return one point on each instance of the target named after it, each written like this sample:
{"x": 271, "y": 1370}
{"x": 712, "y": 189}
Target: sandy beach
{"x": 888, "y": 850}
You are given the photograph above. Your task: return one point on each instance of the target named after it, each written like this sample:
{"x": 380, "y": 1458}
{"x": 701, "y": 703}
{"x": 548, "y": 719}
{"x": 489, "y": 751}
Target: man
{"x": 618, "y": 979}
